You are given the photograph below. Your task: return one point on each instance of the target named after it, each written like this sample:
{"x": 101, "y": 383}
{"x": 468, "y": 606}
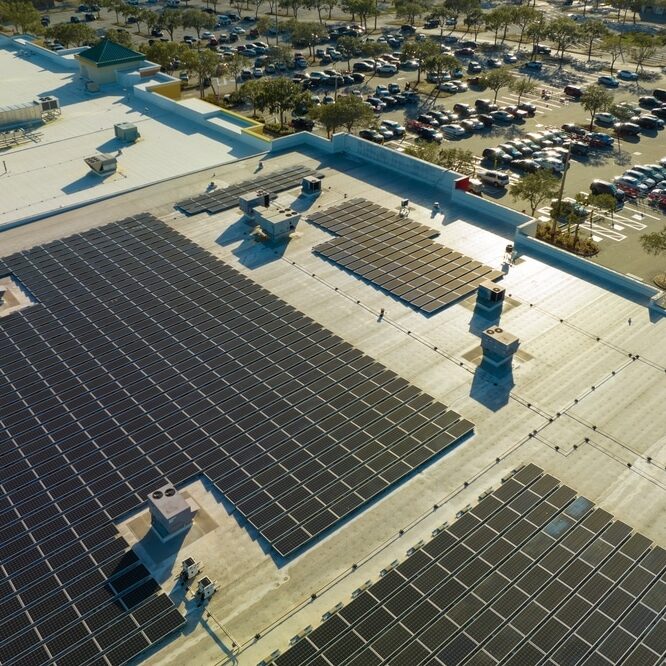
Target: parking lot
{"x": 552, "y": 110}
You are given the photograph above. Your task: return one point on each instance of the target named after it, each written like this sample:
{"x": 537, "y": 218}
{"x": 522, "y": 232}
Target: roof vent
{"x": 102, "y": 164}
{"x": 498, "y": 346}
{"x": 490, "y": 295}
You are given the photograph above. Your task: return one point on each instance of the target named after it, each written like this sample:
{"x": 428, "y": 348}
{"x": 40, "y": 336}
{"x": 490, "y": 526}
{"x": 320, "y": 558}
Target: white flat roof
{"x": 49, "y": 173}
{"x": 584, "y": 401}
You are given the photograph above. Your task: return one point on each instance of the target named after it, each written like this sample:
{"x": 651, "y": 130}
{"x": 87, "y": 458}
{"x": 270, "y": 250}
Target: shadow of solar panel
{"x": 227, "y": 198}
{"x": 422, "y": 273}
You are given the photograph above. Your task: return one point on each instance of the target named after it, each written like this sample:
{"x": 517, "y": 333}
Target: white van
{"x": 496, "y": 178}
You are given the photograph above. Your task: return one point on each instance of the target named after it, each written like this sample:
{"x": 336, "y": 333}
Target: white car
{"x": 510, "y": 58}
{"x": 605, "y": 118}
{"x": 631, "y": 183}
{"x": 551, "y": 164}
{"x": 207, "y": 34}
{"x": 461, "y": 87}
{"x": 448, "y": 87}
{"x": 238, "y": 30}
{"x": 396, "y": 128}
{"x": 453, "y": 130}
{"x": 386, "y": 133}
{"x": 387, "y": 69}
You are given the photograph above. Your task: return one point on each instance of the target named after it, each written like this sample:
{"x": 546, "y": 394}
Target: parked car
{"x": 472, "y": 125}
{"x": 627, "y": 129}
{"x": 362, "y": 67}
{"x": 485, "y": 105}
{"x": 573, "y": 91}
{"x": 598, "y": 186}
{"x": 453, "y": 131}
{"x": 627, "y": 75}
{"x": 648, "y": 122}
{"x": 527, "y": 165}
{"x": 304, "y": 124}
{"x": 529, "y": 107}
{"x": 534, "y": 65}
{"x": 659, "y": 94}
{"x": 631, "y": 184}
{"x": 494, "y": 178}
{"x": 431, "y": 134}
{"x": 448, "y": 87}
{"x": 511, "y": 150}
{"x": 609, "y": 81}
{"x": 493, "y": 63}
{"x": 371, "y": 135}
{"x": 649, "y": 102}
{"x": 474, "y": 67}
{"x": 395, "y": 127}
{"x": 604, "y": 118}
{"x": 510, "y": 58}
{"x": 502, "y": 116}
{"x": 486, "y": 119}
{"x": 495, "y": 155}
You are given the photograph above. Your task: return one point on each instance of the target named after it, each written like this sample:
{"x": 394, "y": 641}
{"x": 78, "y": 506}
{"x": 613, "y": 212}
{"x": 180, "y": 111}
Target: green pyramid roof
{"x": 109, "y": 53}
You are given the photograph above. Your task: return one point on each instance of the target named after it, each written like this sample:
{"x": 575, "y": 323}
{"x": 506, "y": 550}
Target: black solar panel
{"x": 147, "y": 359}
{"x": 225, "y": 198}
{"x": 422, "y": 614}
{"x": 398, "y": 255}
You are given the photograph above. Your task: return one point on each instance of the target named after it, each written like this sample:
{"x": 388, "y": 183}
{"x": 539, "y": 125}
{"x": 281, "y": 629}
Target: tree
{"x": 601, "y": 203}
{"x": 612, "y": 45}
{"x": 440, "y": 63}
{"x": 235, "y": 65}
{"x": 655, "y": 243}
{"x": 453, "y": 159}
{"x": 474, "y": 22}
{"x": 350, "y": 47}
{"x": 253, "y": 91}
{"x": 294, "y": 5}
{"x": 279, "y": 55}
{"x": 623, "y": 112}
{"x": 165, "y": 53}
{"x": 565, "y": 33}
{"x": 409, "y": 9}
{"x": 204, "y": 63}
{"x": 71, "y": 33}
{"x": 642, "y": 48}
{"x": 22, "y": 15}
{"x": 347, "y": 111}
{"x": 523, "y": 17}
{"x": 522, "y": 86}
{"x": 280, "y": 95}
{"x": 360, "y": 8}
{"x": 119, "y": 37}
{"x": 593, "y": 30}
{"x": 419, "y": 51}
{"x": 596, "y": 98}
{"x": 198, "y": 21}
{"x": 171, "y": 21}
{"x": 536, "y": 31}
{"x": 535, "y": 188}
{"x": 496, "y": 79}
{"x": 307, "y": 34}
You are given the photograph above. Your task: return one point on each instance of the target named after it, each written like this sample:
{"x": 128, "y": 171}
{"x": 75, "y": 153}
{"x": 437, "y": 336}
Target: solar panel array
{"x": 398, "y": 255}
{"x": 149, "y": 359}
{"x": 534, "y": 574}
{"x": 226, "y": 198}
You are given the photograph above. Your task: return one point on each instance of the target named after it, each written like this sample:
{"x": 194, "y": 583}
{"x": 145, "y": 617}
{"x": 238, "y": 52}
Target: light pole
{"x": 559, "y": 196}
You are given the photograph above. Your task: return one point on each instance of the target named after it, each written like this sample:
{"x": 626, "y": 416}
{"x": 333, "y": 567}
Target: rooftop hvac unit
{"x": 250, "y": 200}
{"x": 190, "y": 569}
{"x": 490, "y": 294}
{"x": 206, "y": 588}
{"x": 311, "y": 185}
{"x": 49, "y": 103}
{"x": 169, "y": 511}
{"x": 102, "y": 164}
{"x": 498, "y": 346}
{"x": 127, "y": 132}
{"x": 3, "y": 291}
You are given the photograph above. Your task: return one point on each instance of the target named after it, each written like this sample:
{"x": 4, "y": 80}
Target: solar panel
{"x": 445, "y": 605}
{"x": 148, "y": 358}
{"x": 218, "y": 200}
{"x": 398, "y": 255}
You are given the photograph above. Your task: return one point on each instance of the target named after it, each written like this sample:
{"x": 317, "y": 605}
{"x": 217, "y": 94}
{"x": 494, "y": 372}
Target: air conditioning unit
{"x": 498, "y": 346}
{"x": 190, "y": 569}
{"x": 311, "y": 185}
{"x": 126, "y": 132}
{"x": 206, "y": 588}
{"x": 251, "y": 200}
{"x": 49, "y": 103}
{"x": 490, "y": 292}
{"x": 170, "y": 512}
